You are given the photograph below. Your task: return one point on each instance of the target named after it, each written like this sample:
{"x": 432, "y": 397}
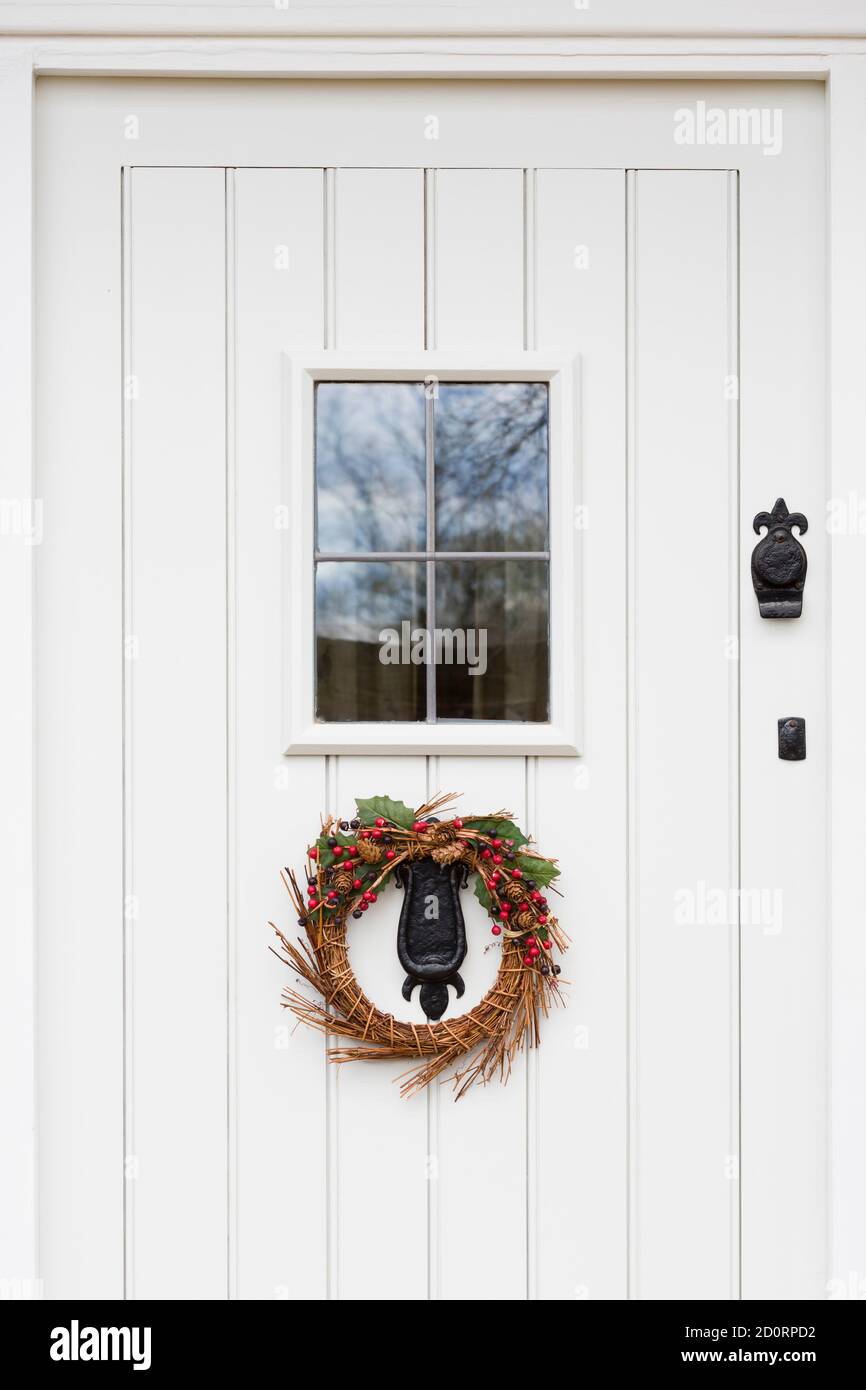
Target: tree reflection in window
{"x": 432, "y": 564}
{"x": 491, "y": 466}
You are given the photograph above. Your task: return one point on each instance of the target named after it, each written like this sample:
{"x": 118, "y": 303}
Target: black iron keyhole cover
{"x": 779, "y": 562}
{"x": 431, "y": 936}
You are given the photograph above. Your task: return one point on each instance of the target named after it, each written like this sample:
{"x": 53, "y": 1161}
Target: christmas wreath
{"x": 431, "y": 859}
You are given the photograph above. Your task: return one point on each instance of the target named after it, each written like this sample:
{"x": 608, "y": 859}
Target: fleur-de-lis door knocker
{"x": 779, "y": 562}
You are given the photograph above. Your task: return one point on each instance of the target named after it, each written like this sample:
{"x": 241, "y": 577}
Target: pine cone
{"x": 525, "y": 919}
{"x": 343, "y": 882}
{"x": 515, "y": 892}
{"x": 370, "y": 853}
{"x": 441, "y": 834}
{"x": 449, "y": 853}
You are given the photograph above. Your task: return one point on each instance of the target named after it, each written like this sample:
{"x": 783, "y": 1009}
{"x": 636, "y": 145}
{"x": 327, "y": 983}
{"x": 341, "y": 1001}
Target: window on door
{"x": 432, "y": 559}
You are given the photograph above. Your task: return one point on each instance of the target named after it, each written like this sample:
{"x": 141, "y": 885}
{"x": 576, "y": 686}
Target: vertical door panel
{"x": 379, "y": 1142}
{"x": 277, "y": 1069}
{"x": 481, "y": 1218}
{"x": 684, "y": 737}
{"x": 380, "y": 1148}
{"x": 478, "y": 268}
{"x": 379, "y": 263}
{"x": 79, "y": 773}
{"x": 176, "y": 738}
{"x": 478, "y": 259}
{"x": 577, "y": 1079}
{"x": 786, "y": 951}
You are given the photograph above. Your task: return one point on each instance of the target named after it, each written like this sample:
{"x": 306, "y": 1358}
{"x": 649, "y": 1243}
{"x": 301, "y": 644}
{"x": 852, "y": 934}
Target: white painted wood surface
{"x": 684, "y": 733}
{"x": 847, "y": 113}
{"x": 562, "y": 1147}
{"x": 18, "y": 1041}
{"x": 784, "y": 1002}
{"x": 621, "y": 19}
{"x": 79, "y": 751}
{"x": 276, "y": 288}
{"x": 175, "y": 736}
{"x": 578, "y": 1189}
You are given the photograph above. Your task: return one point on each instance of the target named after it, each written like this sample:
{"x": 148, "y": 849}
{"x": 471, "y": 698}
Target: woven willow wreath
{"x": 350, "y": 862}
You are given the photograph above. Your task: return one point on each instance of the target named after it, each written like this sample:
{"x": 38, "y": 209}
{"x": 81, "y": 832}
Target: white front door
{"x": 208, "y": 680}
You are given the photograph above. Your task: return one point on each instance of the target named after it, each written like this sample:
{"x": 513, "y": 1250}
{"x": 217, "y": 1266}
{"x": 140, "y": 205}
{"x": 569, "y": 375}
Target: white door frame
{"x": 760, "y": 40}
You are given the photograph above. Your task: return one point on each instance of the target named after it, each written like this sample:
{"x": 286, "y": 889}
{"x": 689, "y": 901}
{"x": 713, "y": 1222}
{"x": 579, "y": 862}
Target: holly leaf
{"x": 369, "y": 807}
{"x": 541, "y": 870}
{"x": 503, "y": 829}
{"x": 325, "y": 856}
{"x": 482, "y": 894}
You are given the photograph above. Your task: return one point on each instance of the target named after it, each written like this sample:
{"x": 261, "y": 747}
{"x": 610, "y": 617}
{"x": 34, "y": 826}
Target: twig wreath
{"x": 348, "y": 865}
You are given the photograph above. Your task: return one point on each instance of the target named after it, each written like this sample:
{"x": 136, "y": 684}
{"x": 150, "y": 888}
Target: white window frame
{"x": 305, "y": 734}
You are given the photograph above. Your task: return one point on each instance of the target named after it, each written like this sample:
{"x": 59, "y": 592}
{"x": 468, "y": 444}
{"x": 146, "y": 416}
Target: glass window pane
{"x": 370, "y": 467}
{"x": 490, "y": 450}
{"x": 365, "y": 615}
{"x": 495, "y": 653}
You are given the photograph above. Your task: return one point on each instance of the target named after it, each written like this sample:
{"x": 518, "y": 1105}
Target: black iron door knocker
{"x": 431, "y": 936}
{"x": 779, "y": 562}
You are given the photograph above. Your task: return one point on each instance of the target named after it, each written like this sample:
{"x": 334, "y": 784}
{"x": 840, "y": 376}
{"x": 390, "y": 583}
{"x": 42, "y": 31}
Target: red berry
{"x": 504, "y": 910}
{"x": 527, "y": 960}
{"x": 542, "y": 919}
{"x": 516, "y": 873}
{"x": 372, "y": 897}
{"x": 313, "y": 853}
{"x": 363, "y": 906}
{"x": 535, "y": 953}
{"x": 313, "y": 906}
{"x": 535, "y": 896}
{"x": 497, "y": 931}
{"x": 497, "y": 858}
{"x": 497, "y": 844}
{"x": 332, "y": 894}
{"x": 357, "y": 883}
{"x": 530, "y": 941}
{"x": 380, "y": 820}
{"x": 377, "y": 834}
{"x": 354, "y": 849}
{"x": 458, "y": 824}
{"x": 485, "y": 854}
{"x": 363, "y": 834}
{"x": 390, "y": 853}
{"x": 368, "y": 896}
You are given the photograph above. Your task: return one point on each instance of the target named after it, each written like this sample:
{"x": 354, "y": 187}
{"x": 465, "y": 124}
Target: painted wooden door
{"x": 666, "y": 1139}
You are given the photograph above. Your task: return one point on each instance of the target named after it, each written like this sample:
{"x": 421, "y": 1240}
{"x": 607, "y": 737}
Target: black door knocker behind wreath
{"x": 431, "y": 936}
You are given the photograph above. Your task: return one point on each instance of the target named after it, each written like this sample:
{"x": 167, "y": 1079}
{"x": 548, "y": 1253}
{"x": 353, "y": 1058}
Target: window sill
{"x": 481, "y": 739}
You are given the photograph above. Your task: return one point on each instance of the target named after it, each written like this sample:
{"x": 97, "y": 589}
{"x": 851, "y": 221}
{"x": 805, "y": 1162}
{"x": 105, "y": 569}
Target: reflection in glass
{"x": 356, "y": 603}
{"x": 370, "y": 467}
{"x": 491, "y": 446}
{"x": 502, "y": 609}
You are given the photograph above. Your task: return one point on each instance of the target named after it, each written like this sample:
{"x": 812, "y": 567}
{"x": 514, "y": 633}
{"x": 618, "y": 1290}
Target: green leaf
{"x": 482, "y": 894}
{"x": 541, "y": 870}
{"x": 503, "y": 829}
{"x": 326, "y": 854}
{"x": 369, "y": 807}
